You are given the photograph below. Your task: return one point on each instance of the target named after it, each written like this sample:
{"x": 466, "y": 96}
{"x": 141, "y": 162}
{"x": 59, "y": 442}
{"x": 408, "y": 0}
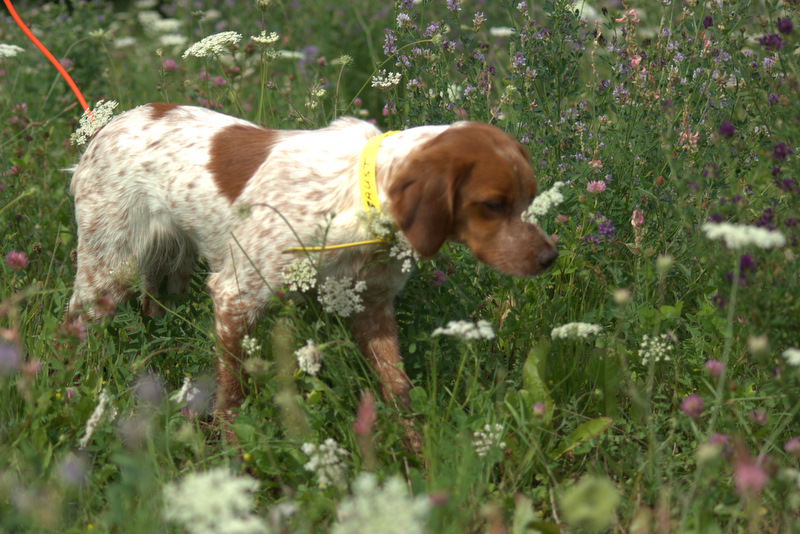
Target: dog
{"x": 162, "y": 184}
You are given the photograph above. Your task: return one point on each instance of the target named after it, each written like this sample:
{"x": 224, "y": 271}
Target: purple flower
{"x": 781, "y": 151}
{"x": 771, "y": 41}
{"x": 692, "y": 406}
{"x": 169, "y": 65}
{"x": 726, "y": 129}
{"x": 438, "y": 278}
{"x": 389, "y": 42}
{"x": 718, "y": 439}
{"x": 714, "y": 367}
{"x": 16, "y": 261}
{"x": 784, "y": 26}
{"x": 65, "y": 62}
{"x": 750, "y": 476}
{"x": 9, "y": 359}
{"x": 219, "y": 81}
{"x": 707, "y": 21}
{"x": 606, "y": 229}
{"x": 758, "y": 416}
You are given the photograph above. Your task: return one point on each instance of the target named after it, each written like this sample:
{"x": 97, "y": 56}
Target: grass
{"x": 679, "y": 415}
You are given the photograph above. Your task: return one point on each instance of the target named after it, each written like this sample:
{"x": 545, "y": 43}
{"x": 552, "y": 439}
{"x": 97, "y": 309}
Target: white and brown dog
{"x": 163, "y": 184}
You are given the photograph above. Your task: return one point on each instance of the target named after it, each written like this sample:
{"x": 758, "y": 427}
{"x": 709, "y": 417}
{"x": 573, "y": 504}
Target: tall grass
{"x": 679, "y": 415}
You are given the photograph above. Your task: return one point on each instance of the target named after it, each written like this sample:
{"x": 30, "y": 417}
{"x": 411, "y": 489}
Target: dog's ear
{"x": 422, "y": 198}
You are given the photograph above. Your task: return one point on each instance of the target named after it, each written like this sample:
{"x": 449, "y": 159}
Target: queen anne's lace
{"x": 213, "y": 45}
{"x": 543, "y": 203}
{"x": 574, "y": 330}
{"x": 740, "y": 235}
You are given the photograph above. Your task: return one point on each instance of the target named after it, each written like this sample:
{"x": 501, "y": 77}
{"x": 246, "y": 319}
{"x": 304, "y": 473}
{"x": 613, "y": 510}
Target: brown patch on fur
{"x": 237, "y": 151}
{"x": 160, "y": 109}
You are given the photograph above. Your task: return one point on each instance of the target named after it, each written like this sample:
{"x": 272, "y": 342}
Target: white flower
{"x": 543, "y": 203}
{"x": 740, "y": 235}
{"x": 250, "y": 345}
{"x": 342, "y": 296}
{"x": 501, "y": 31}
{"x": 172, "y": 39}
{"x": 300, "y": 275}
{"x": 655, "y": 348}
{"x": 309, "y": 358}
{"x": 574, "y": 330}
{"x": 792, "y": 356}
{"x": 466, "y": 330}
{"x": 325, "y": 461}
{"x": 161, "y": 26}
{"x": 484, "y": 440}
{"x": 186, "y": 393}
{"x": 124, "y": 42}
{"x": 103, "y": 410}
{"x": 213, "y": 45}
{"x": 102, "y": 113}
{"x": 7, "y": 50}
{"x": 264, "y": 39}
{"x": 385, "y": 81}
{"x": 385, "y": 510}
{"x": 212, "y": 502}
{"x": 403, "y": 252}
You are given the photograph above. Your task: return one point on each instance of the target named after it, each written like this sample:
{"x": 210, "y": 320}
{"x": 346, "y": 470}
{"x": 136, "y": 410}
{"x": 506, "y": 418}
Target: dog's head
{"x": 470, "y": 184}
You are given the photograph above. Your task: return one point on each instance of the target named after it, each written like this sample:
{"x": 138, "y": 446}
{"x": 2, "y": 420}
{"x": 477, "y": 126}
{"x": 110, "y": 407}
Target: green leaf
{"x": 533, "y": 377}
{"x": 583, "y": 433}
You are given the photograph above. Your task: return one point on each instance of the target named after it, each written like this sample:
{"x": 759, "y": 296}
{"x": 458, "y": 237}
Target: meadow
{"x": 649, "y": 382}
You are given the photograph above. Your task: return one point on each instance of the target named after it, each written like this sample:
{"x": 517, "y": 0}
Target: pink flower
{"x": 562, "y": 218}
{"x": 438, "y": 278}
{"x": 596, "y": 164}
{"x": 169, "y": 65}
{"x": 719, "y": 439}
{"x": 203, "y": 76}
{"x": 714, "y": 367}
{"x": 366, "y": 416}
{"x": 792, "y": 446}
{"x": 596, "y": 186}
{"x": 693, "y": 406}
{"x": 219, "y": 81}
{"x": 637, "y": 219}
{"x": 16, "y": 261}
{"x": 750, "y": 476}
{"x": 65, "y": 62}
{"x": 758, "y": 416}
{"x": 631, "y": 15}
{"x": 687, "y": 137}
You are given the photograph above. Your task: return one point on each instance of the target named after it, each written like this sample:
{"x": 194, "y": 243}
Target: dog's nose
{"x": 547, "y": 257}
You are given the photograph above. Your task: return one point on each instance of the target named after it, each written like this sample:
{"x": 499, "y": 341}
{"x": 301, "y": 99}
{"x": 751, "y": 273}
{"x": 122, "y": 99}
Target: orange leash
{"x": 49, "y": 56}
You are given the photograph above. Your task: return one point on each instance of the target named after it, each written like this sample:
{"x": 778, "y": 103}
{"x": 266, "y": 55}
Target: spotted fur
{"x": 162, "y": 184}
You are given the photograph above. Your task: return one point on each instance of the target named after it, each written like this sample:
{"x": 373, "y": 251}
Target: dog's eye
{"x": 498, "y": 206}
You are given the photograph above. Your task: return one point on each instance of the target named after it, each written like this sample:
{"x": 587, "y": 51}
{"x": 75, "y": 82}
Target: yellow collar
{"x": 366, "y": 172}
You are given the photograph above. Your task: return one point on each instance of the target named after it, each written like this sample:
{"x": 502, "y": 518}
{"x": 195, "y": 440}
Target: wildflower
{"x": 726, "y": 129}
{"x": 714, "y": 367}
{"x": 402, "y": 251}
{"x": 250, "y": 345}
{"x": 596, "y": 186}
{"x": 771, "y": 41}
{"x": 264, "y": 39}
{"x": 183, "y": 394}
{"x": 501, "y": 31}
{"x": 629, "y": 15}
{"x": 749, "y": 475}
{"x": 9, "y": 359}
{"x": 438, "y": 278}
{"x": 366, "y": 415}
{"x": 103, "y": 410}
{"x": 213, "y": 45}
{"x": 7, "y": 50}
{"x": 758, "y": 416}
{"x": 686, "y": 137}
{"x": 148, "y": 389}
{"x": 784, "y": 26}
{"x": 707, "y": 21}
{"x": 342, "y": 296}
{"x": 66, "y": 63}
{"x": 16, "y": 261}
{"x": 387, "y": 509}
{"x": 171, "y": 40}
{"x": 484, "y": 440}
{"x": 213, "y": 501}
{"x": 325, "y": 461}
{"x": 454, "y": 5}
{"x": 384, "y": 81}
{"x": 309, "y": 358}
{"x": 219, "y": 81}
{"x": 89, "y": 125}
{"x": 693, "y": 406}
{"x": 300, "y": 275}
{"x": 575, "y": 330}
{"x": 477, "y": 20}
{"x": 543, "y": 203}
{"x": 263, "y": 5}
{"x": 169, "y": 65}
{"x": 466, "y": 330}
{"x": 738, "y": 235}
{"x": 792, "y": 446}
{"x": 654, "y": 348}
{"x": 780, "y": 151}
{"x": 792, "y": 356}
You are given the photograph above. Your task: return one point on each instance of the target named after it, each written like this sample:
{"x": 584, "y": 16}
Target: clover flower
{"x": 543, "y": 203}
{"x": 466, "y": 330}
{"x": 655, "y": 348}
{"x": 7, "y": 50}
{"x": 596, "y": 186}
{"x": 213, "y": 45}
{"x": 325, "y": 461}
{"x": 693, "y": 406}
{"x": 300, "y": 275}
{"x": 309, "y": 358}
{"x": 342, "y": 296}
{"x": 90, "y": 123}
{"x": 387, "y": 509}
{"x": 16, "y": 261}
{"x": 484, "y": 440}
{"x": 739, "y": 235}
{"x": 213, "y": 501}
{"x": 575, "y": 330}
{"x": 386, "y": 81}
{"x": 103, "y": 410}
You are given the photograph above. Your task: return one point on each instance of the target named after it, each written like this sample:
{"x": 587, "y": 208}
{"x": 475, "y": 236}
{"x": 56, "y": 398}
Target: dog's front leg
{"x": 375, "y": 330}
